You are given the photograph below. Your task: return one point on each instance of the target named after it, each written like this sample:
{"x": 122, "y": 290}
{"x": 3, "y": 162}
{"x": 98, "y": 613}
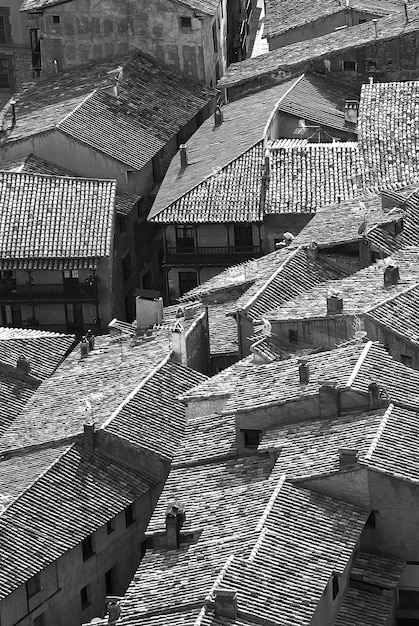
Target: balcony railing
{"x": 408, "y": 598}
{"x": 211, "y": 255}
{"x": 10, "y": 291}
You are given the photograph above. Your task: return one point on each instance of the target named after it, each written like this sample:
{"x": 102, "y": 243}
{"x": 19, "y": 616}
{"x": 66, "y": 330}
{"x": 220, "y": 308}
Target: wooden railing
{"x": 11, "y": 291}
{"x": 210, "y": 255}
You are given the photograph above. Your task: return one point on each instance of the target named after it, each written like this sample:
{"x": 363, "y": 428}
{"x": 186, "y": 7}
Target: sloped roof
{"x": 296, "y": 56}
{"x": 80, "y": 492}
{"x": 383, "y": 240}
{"x": 283, "y": 16}
{"x": 361, "y": 607}
{"x": 358, "y": 290}
{"x": 399, "y": 314}
{"x": 154, "y": 103}
{"x": 44, "y": 353}
{"x": 51, "y": 217}
{"x": 208, "y": 7}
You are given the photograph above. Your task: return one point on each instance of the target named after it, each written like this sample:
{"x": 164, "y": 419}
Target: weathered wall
{"x": 350, "y": 486}
{"x": 325, "y": 333}
{"x": 274, "y": 227}
{"x": 95, "y": 30}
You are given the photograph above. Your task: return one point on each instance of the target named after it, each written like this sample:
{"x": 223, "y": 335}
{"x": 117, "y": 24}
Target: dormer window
{"x": 251, "y": 438}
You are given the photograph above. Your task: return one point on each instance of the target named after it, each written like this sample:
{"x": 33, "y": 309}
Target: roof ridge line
{"x": 379, "y": 432}
{"x": 134, "y": 392}
{"x": 268, "y": 507}
{"x": 271, "y": 278}
{"x": 41, "y": 475}
{"x": 358, "y": 364}
{"x": 276, "y": 105}
{"x": 259, "y": 141}
{"x": 393, "y": 297}
{"x": 89, "y": 95}
{"x": 219, "y": 578}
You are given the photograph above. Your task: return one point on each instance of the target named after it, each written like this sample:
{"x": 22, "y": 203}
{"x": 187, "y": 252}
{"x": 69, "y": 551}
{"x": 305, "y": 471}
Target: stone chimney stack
{"x": 226, "y": 603}
{"x": 351, "y": 111}
{"x": 179, "y": 351}
{"x": 312, "y": 252}
{"x": 175, "y": 518}
{"x": 89, "y": 436}
{"x": 23, "y": 365}
{"x": 391, "y": 275}
{"x": 183, "y": 151}
{"x": 348, "y": 458}
{"x": 373, "y": 396}
{"x": 304, "y": 371}
{"x": 334, "y": 303}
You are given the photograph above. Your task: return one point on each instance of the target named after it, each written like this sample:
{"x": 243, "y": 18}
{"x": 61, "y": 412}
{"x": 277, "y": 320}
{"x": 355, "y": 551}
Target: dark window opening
{"x": 56, "y": 19}
{"x": 74, "y": 311}
{"x": 87, "y": 548}
{"x": 292, "y": 336}
{"x": 185, "y": 237}
{"x": 185, "y": 22}
{"x": 187, "y": 281}
{"x": 110, "y": 581}
{"x": 129, "y": 516}
{"x": 243, "y": 237}
{"x": 406, "y": 360}
{"x": 85, "y": 597}
{"x": 4, "y": 74}
{"x": 251, "y": 438}
{"x": 371, "y": 65}
{"x": 36, "y": 51}
{"x": 335, "y": 586}
{"x": 122, "y": 223}
{"x": 110, "y": 526}
{"x": 214, "y": 37}
{"x": 33, "y": 585}
{"x": 389, "y": 62}
{"x": 371, "y": 521}
{"x": 349, "y": 66}
{"x": 3, "y": 37}
{"x": 11, "y": 315}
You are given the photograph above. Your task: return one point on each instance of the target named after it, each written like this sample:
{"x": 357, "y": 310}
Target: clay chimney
{"x": 89, "y": 436}
{"x": 84, "y": 348}
{"x": 348, "y": 458}
{"x": 23, "y": 364}
{"x": 226, "y": 603}
{"x": 334, "y": 303}
{"x": 351, "y": 111}
{"x": 373, "y": 396}
{"x": 175, "y": 518}
{"x": 179, "y": 350}
{"x": 218, "y": 116}
{"x": 304, "y": 371}
{"x": 90, "y": 339}
{"x": 391, "y": 275}
{"x": 183, "y": 151}
{"x": 312, "y": 252}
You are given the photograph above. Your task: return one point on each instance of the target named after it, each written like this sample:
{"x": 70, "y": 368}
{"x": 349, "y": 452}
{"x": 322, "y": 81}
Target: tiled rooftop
{"x": 212, "y": 147}
{"x": 387, "y": 131}
{"x": 305, "y": 176}
{"x": 399, "y": 314}
{"x": 358, "y": 290}
{"x": 311, "y": 448}
{"x": 155, "y": 102}
{"x": 31, "y": 164}
{"x": 284, "y": 16}
{"x": 81, "y": 491}
{"x": 362, "y": 607}
{"x": 377, "y": 570}
{"x": 294, "y": 57}
{"x": 48, "y": 218}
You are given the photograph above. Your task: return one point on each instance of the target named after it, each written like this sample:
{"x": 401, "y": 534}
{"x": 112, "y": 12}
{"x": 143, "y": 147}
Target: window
{"x": 110, "y": 526}
{"x": 186, "y": 22}
{"x": 243, "y": 237}
{"x": 371, "y": 65}
{"x": 349, "y": 66}
{"x": 40, "y": 620}
{"x": 74, "y": 312}
{"x": 110, "y": 581}
{"x": 85, "y": 597}
{"x": 11, "y": 315}
{"x": 126, "y": 266}
{"x": 371, "y": 521}
{"x": 4, "y": 74}
{"x": 71, "y": 274}
{"x": 406, "y": 360}
{"x": 33, "y": 586}
{"x": 185, "y": 237}
{"x": 187, "y": 281}
{"x": 129, "y": 516}
{"x": 214, "y": 37}
{"x": 87, "y": 548}
{"x": 335, "y": 586}
{"x": 251, "y": 438}
{"x": 56, "y": 19}
{"x": 292, "y": 336}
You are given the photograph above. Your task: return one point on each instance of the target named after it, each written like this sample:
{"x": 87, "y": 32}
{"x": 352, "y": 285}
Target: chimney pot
{"x": 175, "y": 518}
{"x": 218, "y": 116}
{"x": 226, "y": 603}
{"x": 351, "y": 111}
{"x": 90, "y": 339}
{"x": 373, "y": 396}
{"x": 391, "y": 275}
{"x": 89, "y": 436}
{"x": 183, "y": 150}
{"x": 312, "y": 252}
{"x": 84, "y": 347}
{"x": 23, "y": 364}
{"x": 371, "y": 79}
{"x": 334, "y": 303}
{"x": 304, "y": 371}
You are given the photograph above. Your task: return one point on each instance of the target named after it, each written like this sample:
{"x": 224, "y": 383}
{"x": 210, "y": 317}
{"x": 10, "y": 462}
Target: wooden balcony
{"x": 210, "y": 255}
{"x": 10, "y": 291}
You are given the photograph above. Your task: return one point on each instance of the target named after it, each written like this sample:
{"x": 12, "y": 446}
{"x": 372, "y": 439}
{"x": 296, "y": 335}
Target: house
{"x": 342, "y": 467}
{"x": 287, "y": 23}
{"x": 208, "y": 223}
{"x": 15, "y": 51}
{"x": 195, "y": 37}
{"x": 80, "y": 479}
{"x": 381, "y": 49}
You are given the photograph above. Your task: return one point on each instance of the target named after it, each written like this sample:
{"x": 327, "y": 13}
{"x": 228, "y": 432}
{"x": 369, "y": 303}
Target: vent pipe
{"x": 183, "y": 151}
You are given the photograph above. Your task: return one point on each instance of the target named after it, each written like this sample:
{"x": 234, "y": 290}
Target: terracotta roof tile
{"x": 377, "y": 570}
{"x": 399, "y": 314}
{"x": 50, "y": 217}
{"x": 361, "y": 607}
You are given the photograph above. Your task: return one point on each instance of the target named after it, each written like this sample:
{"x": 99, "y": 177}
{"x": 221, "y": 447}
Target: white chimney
{"x": 351, "y": 111}
{"x": 183, "y": 151}
{"x": 179, "y": 351}
{"x": 149, "y": 310}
